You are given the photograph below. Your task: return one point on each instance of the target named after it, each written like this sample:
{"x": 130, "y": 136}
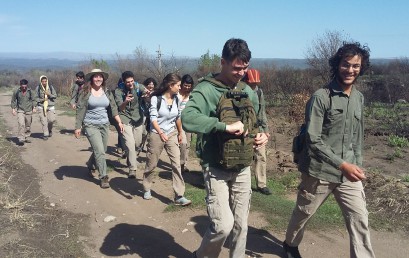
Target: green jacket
{"x": 334, "y": 132}
{"x": 82, "y": 106}
{"x": 261, "y": 115}
{"x": 24, "y": 103}
{"x": 75, "y": 92}
{"x": 133, "y": 112}
{"x": 199, "y": 116}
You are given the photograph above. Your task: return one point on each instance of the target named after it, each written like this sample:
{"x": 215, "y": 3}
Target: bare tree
{"x": 320, "y": 51}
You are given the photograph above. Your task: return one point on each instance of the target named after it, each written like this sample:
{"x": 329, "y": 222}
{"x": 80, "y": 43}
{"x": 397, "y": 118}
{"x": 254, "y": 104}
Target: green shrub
{"x": 398, "y": 141}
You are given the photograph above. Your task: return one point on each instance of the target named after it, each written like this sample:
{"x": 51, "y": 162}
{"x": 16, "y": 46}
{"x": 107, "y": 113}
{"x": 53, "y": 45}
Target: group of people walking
{"x": 332, "y": 152}
{"x": 25, "y": 102}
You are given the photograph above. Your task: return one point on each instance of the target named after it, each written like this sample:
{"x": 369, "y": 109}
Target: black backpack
{"x": 299, "y": 147}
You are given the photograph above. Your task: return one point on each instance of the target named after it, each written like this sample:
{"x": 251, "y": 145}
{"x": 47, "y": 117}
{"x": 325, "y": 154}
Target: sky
{"x": 190, "y": 28}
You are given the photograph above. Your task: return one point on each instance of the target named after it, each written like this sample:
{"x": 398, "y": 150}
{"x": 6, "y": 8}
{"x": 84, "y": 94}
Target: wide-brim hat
{"x": 96, "y": 71}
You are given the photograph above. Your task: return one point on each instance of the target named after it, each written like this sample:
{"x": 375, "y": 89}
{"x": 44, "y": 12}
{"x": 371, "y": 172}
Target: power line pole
{"x": 159, "y": 57}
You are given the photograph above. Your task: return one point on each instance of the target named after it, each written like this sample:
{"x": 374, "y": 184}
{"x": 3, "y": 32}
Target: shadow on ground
{"x": 259, "y": 242}
{"x": 141, "y": 240}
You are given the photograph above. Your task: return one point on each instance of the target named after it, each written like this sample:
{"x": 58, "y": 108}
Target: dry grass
{"x": 388, "y": 200}
{"x": 297, "y": 106}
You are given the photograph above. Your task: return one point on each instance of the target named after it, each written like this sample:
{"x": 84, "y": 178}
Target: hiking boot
{"x": 105, "y": 182}
{"x": 264, "y": 190}
{"x": 132, "y": 174}
{"x": 147, "y": 195}
{"x": 182, "y": 201}
{"x": 291, "y": 252}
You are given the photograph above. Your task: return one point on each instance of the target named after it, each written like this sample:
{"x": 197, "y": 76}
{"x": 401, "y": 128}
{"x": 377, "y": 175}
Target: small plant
{"x": 406, "y": 179}
{"x": 397, "y": 153}
{"x": 398, "y": 141}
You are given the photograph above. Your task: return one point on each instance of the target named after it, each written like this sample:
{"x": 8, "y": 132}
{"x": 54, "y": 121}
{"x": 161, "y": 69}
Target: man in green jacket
{"x": 128, "y": 97}
{"x": 228, "y": 192}
{"x": 23, "y": 105}
{"x": 332, "y": 162}
{"x": 252, "y": 78}
{"x": 76, "y": 88}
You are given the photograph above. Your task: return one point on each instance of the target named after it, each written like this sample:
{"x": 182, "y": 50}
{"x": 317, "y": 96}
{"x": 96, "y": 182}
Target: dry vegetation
{"x": 30, "y": 227}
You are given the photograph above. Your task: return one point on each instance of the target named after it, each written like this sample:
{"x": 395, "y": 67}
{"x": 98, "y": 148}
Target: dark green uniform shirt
{"x": 133, "y": 112}
{"x": 334, "y": 132}
{"x": 22, "y": 102}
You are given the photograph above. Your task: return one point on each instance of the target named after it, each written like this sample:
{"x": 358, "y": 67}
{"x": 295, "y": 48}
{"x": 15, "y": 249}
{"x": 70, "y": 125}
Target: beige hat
{"x": 96, "y": 71}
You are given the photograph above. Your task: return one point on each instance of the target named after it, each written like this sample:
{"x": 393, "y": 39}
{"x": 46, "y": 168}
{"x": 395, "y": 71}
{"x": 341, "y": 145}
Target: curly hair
{"x": 350, "y": 49}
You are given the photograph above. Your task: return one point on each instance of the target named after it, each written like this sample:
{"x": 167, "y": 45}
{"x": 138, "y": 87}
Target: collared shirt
{"x": 166, "y": 116}
{"x": 334, "y": 132}
{"x": 133, "y": 113}
{"x": 24, "y": 102}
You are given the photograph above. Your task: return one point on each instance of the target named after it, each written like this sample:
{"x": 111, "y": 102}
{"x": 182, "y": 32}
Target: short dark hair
{"x": 126, "y": 75}
{"x": 187, "y": 79}
{"x": 80, "y": 74}
{"x": 350, "y": 49}
{"x": 23, "y": 82}
{"x": 149, "y": 80}
{"x": 236, "y": 48}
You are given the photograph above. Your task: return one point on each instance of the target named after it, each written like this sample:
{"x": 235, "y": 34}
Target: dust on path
{"x": 141, "y": 228}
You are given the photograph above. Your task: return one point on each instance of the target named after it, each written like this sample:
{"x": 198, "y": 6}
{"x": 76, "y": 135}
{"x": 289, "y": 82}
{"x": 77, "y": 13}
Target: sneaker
{"x": 264, "y": 190}
{"x": 105, "y": 182}
{"x": 147, "y": 195}
{"x": 182, "y": 201}
{"x": 291, "y": 252}
{"x": 119, "y": 150}
{"x": 132, "y": 174}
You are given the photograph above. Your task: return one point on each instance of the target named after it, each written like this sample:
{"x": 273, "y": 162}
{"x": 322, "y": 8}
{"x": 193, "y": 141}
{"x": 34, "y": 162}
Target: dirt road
{"x": 141, "y": 228}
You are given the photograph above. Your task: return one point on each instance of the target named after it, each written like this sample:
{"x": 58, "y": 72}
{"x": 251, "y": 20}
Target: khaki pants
{"x": 98, "y": 138}
{"x": 155, "y": 147}
{"x": 132, "y": 139}
{"x": 228, "y": 205}
{"x": 47, "y": 122}
{"x": 351, "y": 199}
{"x": 24, "y": 120}
{"x": 260, "y": 167}
{"x": 185, "y": 147}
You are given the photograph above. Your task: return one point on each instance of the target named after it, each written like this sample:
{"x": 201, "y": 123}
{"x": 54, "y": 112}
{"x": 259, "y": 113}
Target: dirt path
{"x": 141, "y": 228}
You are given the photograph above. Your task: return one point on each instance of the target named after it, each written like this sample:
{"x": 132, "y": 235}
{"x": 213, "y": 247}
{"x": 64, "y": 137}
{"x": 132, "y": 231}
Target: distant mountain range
{"x": 71, "y": 60}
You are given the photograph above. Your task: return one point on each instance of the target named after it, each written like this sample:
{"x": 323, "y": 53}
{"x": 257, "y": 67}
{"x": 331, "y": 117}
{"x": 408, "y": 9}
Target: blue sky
{"x": 273, "y": 29}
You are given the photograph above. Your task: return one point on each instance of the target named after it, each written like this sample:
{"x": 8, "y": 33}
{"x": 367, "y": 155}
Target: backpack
{"x": 236, "y": 152}
{"x": 299, "y": 147}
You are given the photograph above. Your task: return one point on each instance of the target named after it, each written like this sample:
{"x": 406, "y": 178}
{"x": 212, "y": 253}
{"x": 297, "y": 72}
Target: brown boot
{"x": 105, "y": 182}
